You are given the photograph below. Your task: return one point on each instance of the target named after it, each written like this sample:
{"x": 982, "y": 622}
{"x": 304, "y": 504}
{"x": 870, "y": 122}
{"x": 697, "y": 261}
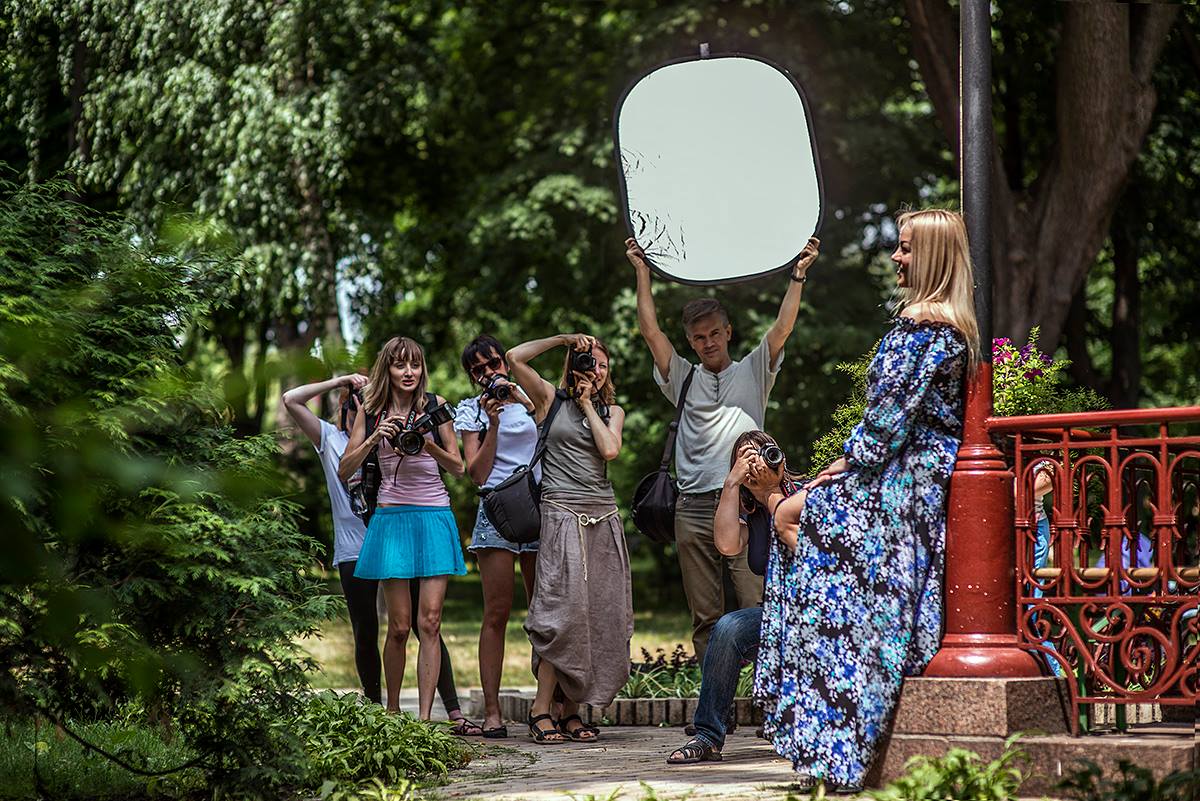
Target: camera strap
{"x": 673, "y": 431}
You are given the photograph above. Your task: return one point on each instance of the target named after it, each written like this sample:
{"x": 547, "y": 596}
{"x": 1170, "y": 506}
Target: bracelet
{"x": 799, "y": 280}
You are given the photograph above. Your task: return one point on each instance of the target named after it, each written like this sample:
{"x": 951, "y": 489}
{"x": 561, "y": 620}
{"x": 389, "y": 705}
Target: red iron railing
{"x": 1114, "y": 604}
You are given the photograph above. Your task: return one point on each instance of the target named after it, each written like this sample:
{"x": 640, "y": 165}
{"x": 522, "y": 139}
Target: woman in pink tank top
{"x": 412, "y": 534}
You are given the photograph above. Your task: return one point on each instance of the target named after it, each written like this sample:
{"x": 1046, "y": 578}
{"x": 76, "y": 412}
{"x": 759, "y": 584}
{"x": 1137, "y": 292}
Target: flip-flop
{"x": 497, "y": 733}
{"x": 463, "y": 728}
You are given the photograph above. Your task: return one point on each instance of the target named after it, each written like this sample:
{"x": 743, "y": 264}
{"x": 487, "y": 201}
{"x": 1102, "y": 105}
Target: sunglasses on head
{"x": 493, "y": 363}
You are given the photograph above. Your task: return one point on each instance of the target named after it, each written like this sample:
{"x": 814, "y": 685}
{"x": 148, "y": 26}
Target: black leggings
{"x": 361, "y": 597}
{"x": 364, "y": 620}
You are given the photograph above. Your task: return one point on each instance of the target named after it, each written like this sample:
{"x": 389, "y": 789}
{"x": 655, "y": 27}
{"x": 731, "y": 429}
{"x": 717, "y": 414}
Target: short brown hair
{"x": 699, "y": 308}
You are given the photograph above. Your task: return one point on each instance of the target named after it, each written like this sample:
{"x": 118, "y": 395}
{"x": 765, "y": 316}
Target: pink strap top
{"x": 416, "y": 482}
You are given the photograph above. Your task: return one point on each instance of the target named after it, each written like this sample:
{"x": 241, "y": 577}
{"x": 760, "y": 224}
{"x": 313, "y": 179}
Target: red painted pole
{"x": 981, "y": 559}
{"x": 981, "y": 622}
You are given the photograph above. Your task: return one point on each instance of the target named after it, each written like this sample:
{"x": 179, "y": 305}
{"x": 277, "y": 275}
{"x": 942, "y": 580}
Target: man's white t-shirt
{"x": 348, "y": 529}
{"x": 719, "y": 408}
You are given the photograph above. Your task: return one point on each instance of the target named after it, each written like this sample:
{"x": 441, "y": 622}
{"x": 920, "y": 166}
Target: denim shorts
{"x": 484, "y": 535}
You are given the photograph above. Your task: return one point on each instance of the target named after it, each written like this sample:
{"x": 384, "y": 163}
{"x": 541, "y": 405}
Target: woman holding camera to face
{"x": 581, "y": 615}
{"x": 412, "y": 534}
{"x": 499, "y": 435}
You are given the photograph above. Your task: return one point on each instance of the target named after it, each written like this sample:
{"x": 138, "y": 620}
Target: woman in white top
{"x": 348, "y": 530}
{"x": 498, "y": 436}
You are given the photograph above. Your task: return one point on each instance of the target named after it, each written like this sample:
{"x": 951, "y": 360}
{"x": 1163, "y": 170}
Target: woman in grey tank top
{"x": 581, "y": 616}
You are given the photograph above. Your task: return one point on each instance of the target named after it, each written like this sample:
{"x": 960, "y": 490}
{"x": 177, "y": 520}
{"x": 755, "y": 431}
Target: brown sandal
{"x": 544, "y": 736}
{"x": 696, "y": 750}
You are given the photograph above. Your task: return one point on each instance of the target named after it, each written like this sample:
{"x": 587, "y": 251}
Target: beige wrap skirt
{"x": 581, "y": 615}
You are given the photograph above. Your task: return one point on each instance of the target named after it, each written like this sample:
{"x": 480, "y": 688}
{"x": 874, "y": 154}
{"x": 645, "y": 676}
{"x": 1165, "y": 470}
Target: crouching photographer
{"x": 757, "y": 482}
{"x": 499, "y": 436}
{"x": 403, "y": 435}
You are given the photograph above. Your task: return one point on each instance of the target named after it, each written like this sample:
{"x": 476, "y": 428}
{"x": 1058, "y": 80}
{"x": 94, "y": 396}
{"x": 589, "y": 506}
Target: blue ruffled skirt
{"x": 406, "y": 542}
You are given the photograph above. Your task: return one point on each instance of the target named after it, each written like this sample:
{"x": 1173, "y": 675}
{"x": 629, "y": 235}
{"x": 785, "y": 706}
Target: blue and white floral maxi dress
{"x": 859, "y": 605}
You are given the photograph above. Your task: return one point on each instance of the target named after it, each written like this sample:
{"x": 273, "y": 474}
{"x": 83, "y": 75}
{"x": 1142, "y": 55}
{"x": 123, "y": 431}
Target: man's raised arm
{"x": 660, "y": 346}
{"x": 785, "y": 321}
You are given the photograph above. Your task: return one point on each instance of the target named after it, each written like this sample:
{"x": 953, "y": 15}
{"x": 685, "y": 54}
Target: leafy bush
{"x": 1133, "y": 784}
{"x": 148, "y": 554}
{"x": 348, "y": 741}
{"x": 39, "y": 760}
{"x": 958, "y": 775}
{"x": 1027, "y": 381}
{"x": 848, "y": 414}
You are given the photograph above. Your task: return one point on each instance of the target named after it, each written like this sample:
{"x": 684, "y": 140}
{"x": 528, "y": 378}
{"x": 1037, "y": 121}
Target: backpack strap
{"x": 673, "y": 430}
{"x": 559, "y": 397}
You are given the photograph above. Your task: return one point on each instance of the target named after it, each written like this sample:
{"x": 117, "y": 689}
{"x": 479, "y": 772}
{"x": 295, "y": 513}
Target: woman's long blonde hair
{"x": 377, "y": 394}
{"x": 608, "y": 392}
{"x": 941, "y": 271}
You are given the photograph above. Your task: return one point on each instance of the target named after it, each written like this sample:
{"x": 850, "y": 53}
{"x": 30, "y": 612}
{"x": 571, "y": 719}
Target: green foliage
{"x": 348, "y": 741}
{"x": 957, "y": 776}
{"x": 848, "y": 414}
{"x": 1133, "y": 784}
{"x": 1027, "y": 381}
{"x": 660, "y": 676}
{"x": 149, "y": 554}
{"x": 41, "y": 754}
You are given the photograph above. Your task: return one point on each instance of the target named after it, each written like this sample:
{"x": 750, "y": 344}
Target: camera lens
{"x": 772, "y": 455}
{"x": 499, "y": 389}
{"x": 410, "y": 442}
{"x": 583, "y": 362}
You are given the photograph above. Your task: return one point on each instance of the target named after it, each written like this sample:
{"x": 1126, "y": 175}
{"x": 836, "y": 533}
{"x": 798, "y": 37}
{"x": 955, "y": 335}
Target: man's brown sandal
{"x": 696, "y": 750}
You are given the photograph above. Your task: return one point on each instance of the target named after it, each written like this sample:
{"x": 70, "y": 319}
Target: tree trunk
{"x": 1126, "y": 318}
{"x": 1046, "y": 235}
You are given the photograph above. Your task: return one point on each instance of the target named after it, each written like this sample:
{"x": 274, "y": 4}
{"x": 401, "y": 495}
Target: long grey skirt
{"x": 582, "y": 625}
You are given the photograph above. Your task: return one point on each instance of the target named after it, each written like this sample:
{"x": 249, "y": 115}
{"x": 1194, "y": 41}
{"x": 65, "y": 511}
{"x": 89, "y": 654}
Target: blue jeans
{"x": 1041, "y": 553}
{"x": 733, "y": 640}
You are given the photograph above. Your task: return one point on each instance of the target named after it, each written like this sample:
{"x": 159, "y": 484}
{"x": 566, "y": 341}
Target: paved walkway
{"x": 619, "y": 762}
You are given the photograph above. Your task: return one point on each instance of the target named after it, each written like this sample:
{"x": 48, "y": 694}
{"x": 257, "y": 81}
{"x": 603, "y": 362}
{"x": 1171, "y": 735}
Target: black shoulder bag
{"x": 514, "y": 505}
{"x": 656, "y": 494}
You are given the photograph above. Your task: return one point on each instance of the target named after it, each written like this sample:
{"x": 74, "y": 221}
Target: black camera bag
{"x": 514, "y": 505}
{"x": 656, "y": 494}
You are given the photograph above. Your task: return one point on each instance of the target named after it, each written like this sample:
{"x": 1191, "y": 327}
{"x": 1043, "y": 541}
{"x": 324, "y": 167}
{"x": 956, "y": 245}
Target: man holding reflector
{"x": 726, "y": 399}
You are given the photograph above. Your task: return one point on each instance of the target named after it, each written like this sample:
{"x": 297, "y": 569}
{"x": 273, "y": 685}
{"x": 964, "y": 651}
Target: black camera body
{"x": 772, "y": 455}
{"x": 499, "y": 388}
{"x": 411, "y": 440}
{"x": 583, "y": 361}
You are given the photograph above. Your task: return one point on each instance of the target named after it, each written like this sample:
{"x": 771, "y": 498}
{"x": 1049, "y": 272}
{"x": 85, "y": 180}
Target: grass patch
{"x": 33, "y": 754}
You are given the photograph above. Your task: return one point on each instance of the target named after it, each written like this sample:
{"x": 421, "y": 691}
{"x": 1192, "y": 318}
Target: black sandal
{"x": 466, "y": 728}
{"x": 543, "y": 736}
{"x": 577, "y": 734}
{"x": 696, "y": 750}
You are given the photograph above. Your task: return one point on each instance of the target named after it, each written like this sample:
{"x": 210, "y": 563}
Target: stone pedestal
{"x": 983, "y": 707}
{"x": 937, "y": 714}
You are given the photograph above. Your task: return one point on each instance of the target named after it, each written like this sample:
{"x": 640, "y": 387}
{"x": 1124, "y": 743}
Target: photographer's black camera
{"x": 499, "y": 388}
{"x": 772, "y": 455}
{"x": 410, "y": 441}
{"x": 583, "y": 361}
